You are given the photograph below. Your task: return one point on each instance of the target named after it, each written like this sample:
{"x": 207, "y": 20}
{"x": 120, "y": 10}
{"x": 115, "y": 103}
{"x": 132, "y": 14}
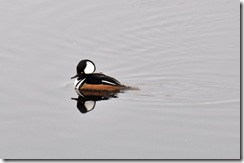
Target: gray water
{"x": 183, "y": 55}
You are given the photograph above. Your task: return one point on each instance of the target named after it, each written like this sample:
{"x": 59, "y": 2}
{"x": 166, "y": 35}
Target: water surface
{"x": 182, "y": 55}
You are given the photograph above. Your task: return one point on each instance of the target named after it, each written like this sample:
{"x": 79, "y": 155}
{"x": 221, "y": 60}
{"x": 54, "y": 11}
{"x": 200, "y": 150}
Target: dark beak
{"x": 75, "y": 76}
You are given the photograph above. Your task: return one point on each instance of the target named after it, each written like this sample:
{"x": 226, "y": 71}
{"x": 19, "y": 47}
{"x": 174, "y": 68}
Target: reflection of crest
{"x": 86, "y": 100}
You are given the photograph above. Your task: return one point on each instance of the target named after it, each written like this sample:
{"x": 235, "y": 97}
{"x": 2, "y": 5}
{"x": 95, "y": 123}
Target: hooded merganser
{"x": 86, "y": 79}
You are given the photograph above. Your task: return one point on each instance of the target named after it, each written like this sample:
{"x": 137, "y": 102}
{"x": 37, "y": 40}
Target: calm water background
{"x": 183, "y": 55}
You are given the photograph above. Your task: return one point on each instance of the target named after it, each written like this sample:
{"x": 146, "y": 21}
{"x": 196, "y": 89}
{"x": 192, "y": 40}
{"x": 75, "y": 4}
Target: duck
{"x": 87, "y": 80}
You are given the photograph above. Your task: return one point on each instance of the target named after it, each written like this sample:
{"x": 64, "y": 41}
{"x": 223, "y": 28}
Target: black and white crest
{"x": 85, "y": 66}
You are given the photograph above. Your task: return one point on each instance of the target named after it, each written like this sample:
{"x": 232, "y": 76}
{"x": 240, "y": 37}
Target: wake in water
{"x": 185, "y": 91}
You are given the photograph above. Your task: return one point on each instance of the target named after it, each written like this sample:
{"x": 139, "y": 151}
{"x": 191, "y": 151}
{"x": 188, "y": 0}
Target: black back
{"x": 98, "y": 78}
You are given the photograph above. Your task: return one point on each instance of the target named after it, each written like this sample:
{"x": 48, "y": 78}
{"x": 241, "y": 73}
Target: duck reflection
{"x": 86, "y": 100}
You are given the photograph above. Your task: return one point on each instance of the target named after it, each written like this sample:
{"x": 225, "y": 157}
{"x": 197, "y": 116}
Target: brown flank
{"x": 102, "y": 87}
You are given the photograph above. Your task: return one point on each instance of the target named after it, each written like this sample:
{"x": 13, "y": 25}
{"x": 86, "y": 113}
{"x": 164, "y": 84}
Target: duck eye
{"x": 90, "y": 68}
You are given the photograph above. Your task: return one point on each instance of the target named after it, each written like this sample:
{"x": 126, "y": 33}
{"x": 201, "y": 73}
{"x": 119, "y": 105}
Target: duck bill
{"x": 75, "y": 76}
